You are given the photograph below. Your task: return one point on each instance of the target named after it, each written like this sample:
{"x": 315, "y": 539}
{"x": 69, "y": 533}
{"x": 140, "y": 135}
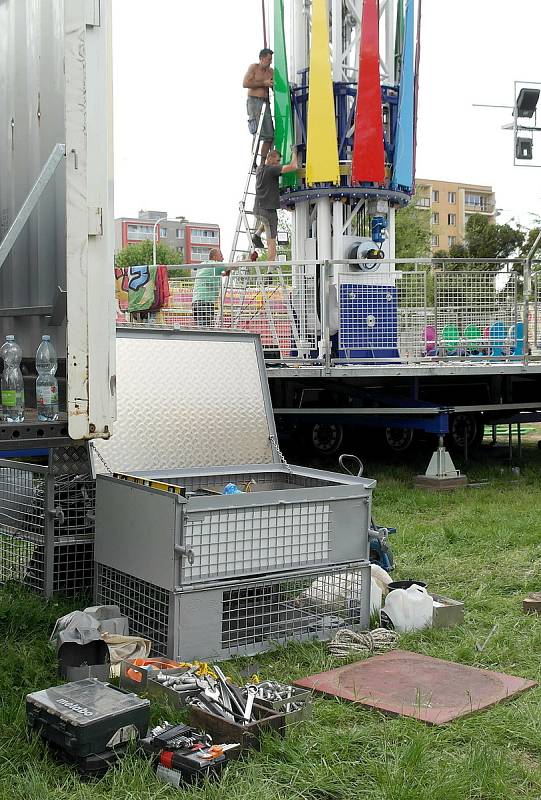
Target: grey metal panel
{"x": 350, "y": 520}
{"x": 32, "y": 113}
{"x": 186, "y": 398}
{"x": 406, "y": 370}
{"x": 199, "y": 627}
{"x": 135, "y": 530}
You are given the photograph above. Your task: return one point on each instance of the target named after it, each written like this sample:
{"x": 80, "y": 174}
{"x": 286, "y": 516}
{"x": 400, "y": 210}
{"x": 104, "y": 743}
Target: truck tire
{"x": 398, "y": 440}
{"x": 325, "y": 438}
{"x": 462, "y": 425}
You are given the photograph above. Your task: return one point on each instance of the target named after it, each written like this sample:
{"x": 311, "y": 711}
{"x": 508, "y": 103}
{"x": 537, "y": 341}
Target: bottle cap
{"x": 10, "y": 337}
{"x": 45, "y": 338}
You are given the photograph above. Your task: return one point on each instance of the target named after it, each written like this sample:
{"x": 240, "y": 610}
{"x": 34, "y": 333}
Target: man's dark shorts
{"x": 253, "y": 107}
{"x": 269, "y": 218}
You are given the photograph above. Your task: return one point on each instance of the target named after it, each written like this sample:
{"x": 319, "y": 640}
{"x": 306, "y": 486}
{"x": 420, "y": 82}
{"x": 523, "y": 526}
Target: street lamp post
{"x": 161, "y": 219}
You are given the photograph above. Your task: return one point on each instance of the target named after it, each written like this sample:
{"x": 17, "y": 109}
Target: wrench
{"x": 250, "y": 697}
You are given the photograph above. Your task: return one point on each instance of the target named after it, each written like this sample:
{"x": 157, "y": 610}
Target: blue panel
{"x": 368, "y": 321}
{"x": 403, "y": 162}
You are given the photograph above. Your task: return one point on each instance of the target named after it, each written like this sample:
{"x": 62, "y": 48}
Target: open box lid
{"x": 188, "y": 398}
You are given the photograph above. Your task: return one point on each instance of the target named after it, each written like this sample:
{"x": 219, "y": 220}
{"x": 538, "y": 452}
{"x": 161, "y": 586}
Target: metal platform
{"x": 32, "y": 434}
{"x": 371, "y": 370}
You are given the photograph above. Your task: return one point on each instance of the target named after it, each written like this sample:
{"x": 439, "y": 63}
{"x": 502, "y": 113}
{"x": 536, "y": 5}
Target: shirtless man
{"x": 258, "y": 80}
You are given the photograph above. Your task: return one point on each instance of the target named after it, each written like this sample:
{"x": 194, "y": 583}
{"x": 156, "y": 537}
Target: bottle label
{"x": 9, "y": 398}
{"x": 47, "y": 395}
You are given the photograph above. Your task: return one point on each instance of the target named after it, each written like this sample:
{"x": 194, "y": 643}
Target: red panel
{"x": 368, "y": 161}
{"x": 413, "y": 685}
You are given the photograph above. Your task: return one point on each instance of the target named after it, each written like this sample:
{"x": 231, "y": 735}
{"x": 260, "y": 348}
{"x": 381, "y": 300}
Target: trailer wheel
{"x": 326, "y": 438}
{"x": 398, "y": 440}
{"x": 465, "y": 427}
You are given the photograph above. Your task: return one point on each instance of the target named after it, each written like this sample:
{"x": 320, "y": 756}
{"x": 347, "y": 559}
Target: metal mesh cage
{"x": 223, "y": 620}
{"x": 477, "y": 314}
{"x": 47, "y": 523}
{"x": 300, "y": 607}
{"x": 257, "y": 539}
{"x": 145, "y": 605}
{"x": 283, "y": 519}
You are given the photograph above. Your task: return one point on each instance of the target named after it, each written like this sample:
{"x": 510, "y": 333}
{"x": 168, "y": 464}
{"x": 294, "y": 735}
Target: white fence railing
{"x": 336, "y": 312}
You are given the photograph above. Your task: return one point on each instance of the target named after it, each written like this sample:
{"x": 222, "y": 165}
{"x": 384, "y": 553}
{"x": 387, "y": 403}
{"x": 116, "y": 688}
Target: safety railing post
{"x": 526, "y": 317}
{"x": 325, "y": 278}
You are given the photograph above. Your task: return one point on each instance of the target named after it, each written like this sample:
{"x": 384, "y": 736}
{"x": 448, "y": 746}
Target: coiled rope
{"x": 347, "y": 642}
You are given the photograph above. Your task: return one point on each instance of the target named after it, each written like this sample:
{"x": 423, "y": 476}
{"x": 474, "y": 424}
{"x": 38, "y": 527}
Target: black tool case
{"x": 86, "y": 722}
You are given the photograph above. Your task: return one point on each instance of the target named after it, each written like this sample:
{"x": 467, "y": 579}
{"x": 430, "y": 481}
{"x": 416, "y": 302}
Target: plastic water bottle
{"x": 46, "y": 383}
{"x": 12, "y": 382}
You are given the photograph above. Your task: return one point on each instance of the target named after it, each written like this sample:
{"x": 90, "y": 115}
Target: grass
{"x": 481, "y": 545}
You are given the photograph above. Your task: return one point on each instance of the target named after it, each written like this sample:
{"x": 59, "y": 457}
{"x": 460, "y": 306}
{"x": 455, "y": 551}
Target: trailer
{"x": 56, "y": 278}
{"x": 417, "y": 349}
{"x": 56, "y": 211}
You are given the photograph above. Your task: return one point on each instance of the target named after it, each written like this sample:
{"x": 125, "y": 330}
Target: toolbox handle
{"x": 351, "y": 457}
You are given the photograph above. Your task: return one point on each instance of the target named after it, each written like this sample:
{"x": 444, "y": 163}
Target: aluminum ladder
{"x": 243, "y": 229}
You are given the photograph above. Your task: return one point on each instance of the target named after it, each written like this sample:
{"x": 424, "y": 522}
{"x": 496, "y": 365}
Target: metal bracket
{"x": 185, "y": 552}
{"x": 32, "y": 199}
{"x": 59, "y": 309}
{"x": 58, "y": 514}
{"x": 95, "y": 221}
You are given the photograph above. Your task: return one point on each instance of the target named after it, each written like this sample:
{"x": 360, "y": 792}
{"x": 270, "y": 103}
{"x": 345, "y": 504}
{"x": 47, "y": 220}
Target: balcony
{"x": 480, "y": 206}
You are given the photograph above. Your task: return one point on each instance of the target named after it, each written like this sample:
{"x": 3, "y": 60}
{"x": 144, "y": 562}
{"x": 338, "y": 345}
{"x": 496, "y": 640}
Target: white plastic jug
{"x": 376, "y": 596}
{"x": 409, "y": 609}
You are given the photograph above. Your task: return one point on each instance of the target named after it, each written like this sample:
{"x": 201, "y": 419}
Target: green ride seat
{"x": 472, "y": 339}
{"x": 450, "y": 337}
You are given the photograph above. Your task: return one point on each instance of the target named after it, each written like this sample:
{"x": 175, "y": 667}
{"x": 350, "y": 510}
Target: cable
{"x": 347, "y": 642}
{"x": 264, "y": 23}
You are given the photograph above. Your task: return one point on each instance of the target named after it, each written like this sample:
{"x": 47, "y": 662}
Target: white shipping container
{"x": 56, "y": 89}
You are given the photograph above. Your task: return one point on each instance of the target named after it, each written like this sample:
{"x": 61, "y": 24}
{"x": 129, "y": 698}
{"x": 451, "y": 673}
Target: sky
{"x": 181, "y": 141}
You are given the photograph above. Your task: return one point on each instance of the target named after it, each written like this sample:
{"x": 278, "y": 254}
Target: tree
{"x": 135, "y": 255}
{"x": 486, "y": 239}
{"x": 533, "y": 233}
{"x": 412, "y": 231}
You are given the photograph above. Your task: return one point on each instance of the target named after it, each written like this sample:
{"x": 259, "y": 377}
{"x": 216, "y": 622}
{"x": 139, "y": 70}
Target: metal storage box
{"x": 241, "y": 617}
{"x": 47, "y": 522}
{"x": 206, "y": 421}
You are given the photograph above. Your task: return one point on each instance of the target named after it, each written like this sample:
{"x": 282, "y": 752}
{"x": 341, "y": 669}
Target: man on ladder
{"x": 267, "y": 197}
{"x": 258, "y": 80}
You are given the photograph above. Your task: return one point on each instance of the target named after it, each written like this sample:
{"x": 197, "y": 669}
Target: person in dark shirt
{"x": 267, "y": 198}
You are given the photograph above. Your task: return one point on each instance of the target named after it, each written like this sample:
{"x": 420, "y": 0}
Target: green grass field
{"x": 480, "y": 545}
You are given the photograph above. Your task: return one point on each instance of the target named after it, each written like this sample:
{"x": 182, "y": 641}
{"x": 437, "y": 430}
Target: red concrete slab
{"x": 413, "y": 685}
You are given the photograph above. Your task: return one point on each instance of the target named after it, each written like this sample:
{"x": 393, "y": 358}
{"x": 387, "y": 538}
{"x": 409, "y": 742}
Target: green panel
{"x": 283, "y": 119}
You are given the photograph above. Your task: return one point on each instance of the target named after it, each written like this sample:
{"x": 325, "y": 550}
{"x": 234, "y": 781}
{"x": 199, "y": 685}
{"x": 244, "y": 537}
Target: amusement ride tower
{"x": 345, "y": 92}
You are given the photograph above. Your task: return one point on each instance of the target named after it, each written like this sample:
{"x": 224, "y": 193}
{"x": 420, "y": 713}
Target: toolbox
{"x": 208, "y": 422}
{"x": 247, "y": 735}
{"x": 143, "y": 681}
{"x": 86, "y": 722}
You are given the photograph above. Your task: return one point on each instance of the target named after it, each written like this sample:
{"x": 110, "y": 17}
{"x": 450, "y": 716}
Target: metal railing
{"x": 409, "y": 311}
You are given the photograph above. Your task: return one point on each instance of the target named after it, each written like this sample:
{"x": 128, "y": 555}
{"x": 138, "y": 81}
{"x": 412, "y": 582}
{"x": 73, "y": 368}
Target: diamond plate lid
{"x": 188, "y": 399}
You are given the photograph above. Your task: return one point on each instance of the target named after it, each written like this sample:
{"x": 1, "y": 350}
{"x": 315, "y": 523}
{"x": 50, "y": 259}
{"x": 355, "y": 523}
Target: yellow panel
{"x": 321, "y": 145}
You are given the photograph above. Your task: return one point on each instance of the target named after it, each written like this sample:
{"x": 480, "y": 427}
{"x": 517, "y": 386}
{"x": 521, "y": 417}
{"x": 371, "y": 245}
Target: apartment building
{"x": 193, "y": 240}
{"x": 451, "y": 205}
